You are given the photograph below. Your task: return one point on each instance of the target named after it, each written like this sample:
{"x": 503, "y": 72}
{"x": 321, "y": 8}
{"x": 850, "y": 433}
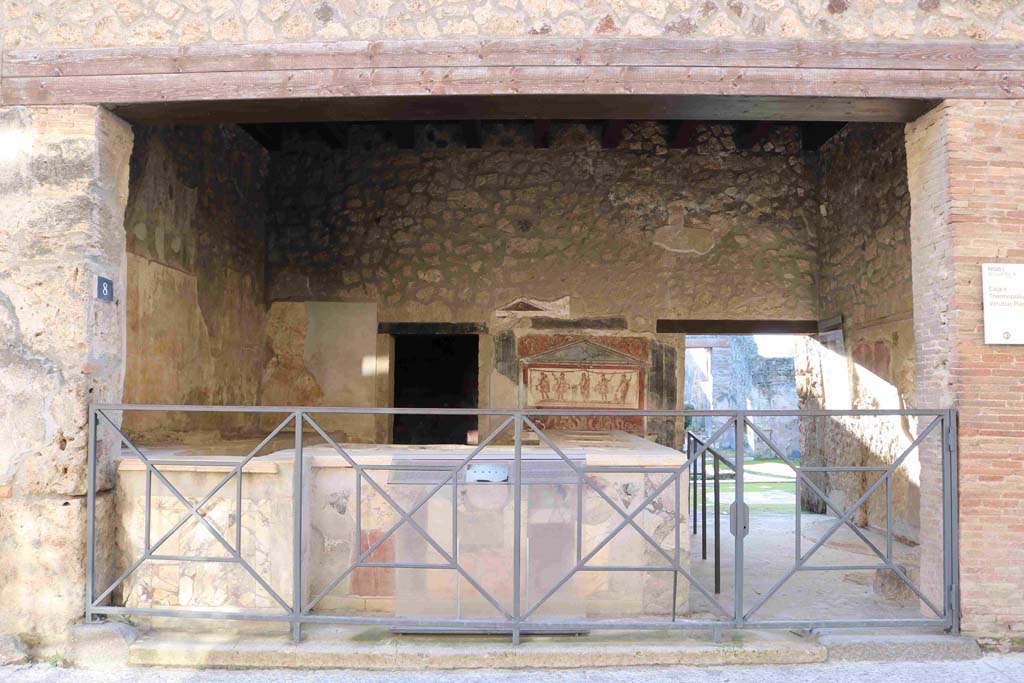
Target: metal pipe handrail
{"x": 717, "y": 458}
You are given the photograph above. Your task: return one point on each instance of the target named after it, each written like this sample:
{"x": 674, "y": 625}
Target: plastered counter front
{"x": 344, "y": 517}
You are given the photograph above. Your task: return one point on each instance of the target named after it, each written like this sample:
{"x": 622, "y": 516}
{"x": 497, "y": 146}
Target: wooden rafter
{"x": 746, "y": 134}
{"x": 682, "y": 134}
{"x": 542, "y": 133}
{"x": 611, "y": 133}
{"x": 472, "y": 134}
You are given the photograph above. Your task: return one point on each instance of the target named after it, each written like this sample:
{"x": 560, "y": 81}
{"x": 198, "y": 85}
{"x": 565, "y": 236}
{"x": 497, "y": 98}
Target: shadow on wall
{"x": 828, "y": 379}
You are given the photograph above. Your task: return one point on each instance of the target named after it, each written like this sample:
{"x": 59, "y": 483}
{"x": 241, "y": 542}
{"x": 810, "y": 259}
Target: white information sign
{"x": 1002, "y": 287}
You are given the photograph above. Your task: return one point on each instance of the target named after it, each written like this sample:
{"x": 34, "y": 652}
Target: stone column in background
{"x": 966, "y": 176}
{"x": 63, "y": 189}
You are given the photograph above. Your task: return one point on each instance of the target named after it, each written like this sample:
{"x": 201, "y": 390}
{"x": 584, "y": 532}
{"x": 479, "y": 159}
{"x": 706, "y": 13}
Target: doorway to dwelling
{"x": 436, "y": 371}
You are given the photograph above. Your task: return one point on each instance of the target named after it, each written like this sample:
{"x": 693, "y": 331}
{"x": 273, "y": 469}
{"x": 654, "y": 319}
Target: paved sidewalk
{"x": 990, "y": 669}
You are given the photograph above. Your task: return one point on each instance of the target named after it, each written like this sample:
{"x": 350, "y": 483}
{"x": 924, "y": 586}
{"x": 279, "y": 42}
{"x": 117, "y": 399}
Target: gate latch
{"x": 734, "y": 518}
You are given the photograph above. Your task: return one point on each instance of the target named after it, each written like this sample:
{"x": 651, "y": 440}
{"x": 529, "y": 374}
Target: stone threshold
{"x": 378, "y": 649}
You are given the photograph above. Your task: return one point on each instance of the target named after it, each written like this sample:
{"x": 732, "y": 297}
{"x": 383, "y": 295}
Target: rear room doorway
{"x": 436, "y": 371}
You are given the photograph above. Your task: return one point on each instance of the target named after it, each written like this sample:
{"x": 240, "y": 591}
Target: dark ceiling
{"x": 402, "y": 134}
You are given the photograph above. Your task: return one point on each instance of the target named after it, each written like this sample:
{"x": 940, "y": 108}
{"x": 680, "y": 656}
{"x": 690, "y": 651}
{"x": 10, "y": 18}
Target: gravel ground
{"x": 990, "y": 669}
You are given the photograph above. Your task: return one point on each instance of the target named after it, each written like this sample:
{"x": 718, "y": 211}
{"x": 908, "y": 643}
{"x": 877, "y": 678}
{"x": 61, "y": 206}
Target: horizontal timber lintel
{"x": 431, "y": 328}
{"x": 526, "y": 66}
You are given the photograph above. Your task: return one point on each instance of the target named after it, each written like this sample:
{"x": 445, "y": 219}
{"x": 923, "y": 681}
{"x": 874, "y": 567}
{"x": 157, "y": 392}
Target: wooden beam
{"x": 527, "y": 107}
{"x": 512, "y": 80}
{"x": 431, "y": 328}
{"x": 682, "y": 134}
{"x": 324, "y": 132}
{"x": 737, "y": 326}
{"x": 335, "y": 133}
{"x": 472, "y": 133}
{"x": 601, "y": 323}
{"x": 746, "y": 134}
{"x": 814, "y": 135}
{"x": 542, "y": 133}
{"x": 537, "y": 51}
{"x": 611, "y": 133}
{"x": 402, "y": 134}
{"x": 268, "y": 136}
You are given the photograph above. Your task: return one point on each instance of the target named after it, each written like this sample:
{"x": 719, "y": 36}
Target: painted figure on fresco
{"x": 544, "y": 387}
{"x": 623, "y": 389}
{"x": 604, "y": 385}
{"x": 561, "y": 387}
{"x": 585, "y": 386}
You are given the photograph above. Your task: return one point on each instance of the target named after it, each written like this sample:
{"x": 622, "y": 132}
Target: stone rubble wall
{"x": 196, "y": 243}
{"x": 743, "y": 379}
{"x": 81, "y": 23}
{"x": 443, "y": 232}
{"x": 63, "y": 188}
{"x": 865, "y": 277}
{"x": 446, "y": 233}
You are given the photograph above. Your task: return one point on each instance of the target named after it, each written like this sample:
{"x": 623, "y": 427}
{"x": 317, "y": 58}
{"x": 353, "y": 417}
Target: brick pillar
{"x": 63, "y": 189}
{"x": 966, "y": 174}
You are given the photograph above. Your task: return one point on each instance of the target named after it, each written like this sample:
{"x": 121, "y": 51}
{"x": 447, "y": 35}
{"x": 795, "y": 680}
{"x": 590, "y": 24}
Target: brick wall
{"x": 966, "y": 169}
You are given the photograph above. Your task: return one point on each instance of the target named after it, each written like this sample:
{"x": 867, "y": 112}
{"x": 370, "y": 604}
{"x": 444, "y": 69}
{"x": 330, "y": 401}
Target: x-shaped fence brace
{"x": 629, "y": 519}
{"x": 844, "y": 517}
{"x": 450, "y": 474}
{"x": 451, "y": 477}
{"x": 234, "y": 552}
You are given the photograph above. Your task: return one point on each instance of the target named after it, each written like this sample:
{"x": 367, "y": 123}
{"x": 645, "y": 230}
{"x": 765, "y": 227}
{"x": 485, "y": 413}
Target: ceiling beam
{"x": 814, "y": 135}
{"x": 269, "y": 137}
{"x": 611, "y": 133}
{"x": 682, "y": 134}
{"x": 746, "y": 134}
{"x": 542, "y": 133}
{"x": 324, "y": 132}
{"x": 528, "y": 107}
{"x": 335, "y": 134}
{"x": 403, "y": 134}
{"x": 472, "y": 133}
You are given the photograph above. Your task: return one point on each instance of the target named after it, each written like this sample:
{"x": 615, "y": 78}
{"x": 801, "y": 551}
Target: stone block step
{"x": 882, "y": 646}
{"x": 374, "y": 649}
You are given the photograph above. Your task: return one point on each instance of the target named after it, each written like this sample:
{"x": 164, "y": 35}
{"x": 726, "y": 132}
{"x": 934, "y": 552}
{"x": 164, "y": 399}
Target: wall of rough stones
{"x": 63, "y": 188}
{"x": 443, "y": 233}
{"x": 83, "y": 23}
{"x": 446, "y": 233}
{"x": 865, "y": 278}
{"x": 195, "y": 238}
{"x": 741, "y": 378}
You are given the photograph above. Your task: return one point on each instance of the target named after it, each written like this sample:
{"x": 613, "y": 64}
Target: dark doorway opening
{"x": 436, "y": 371}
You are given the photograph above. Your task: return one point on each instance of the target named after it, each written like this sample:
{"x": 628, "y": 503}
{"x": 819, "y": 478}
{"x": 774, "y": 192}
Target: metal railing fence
{"x": 519, "y": 615}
